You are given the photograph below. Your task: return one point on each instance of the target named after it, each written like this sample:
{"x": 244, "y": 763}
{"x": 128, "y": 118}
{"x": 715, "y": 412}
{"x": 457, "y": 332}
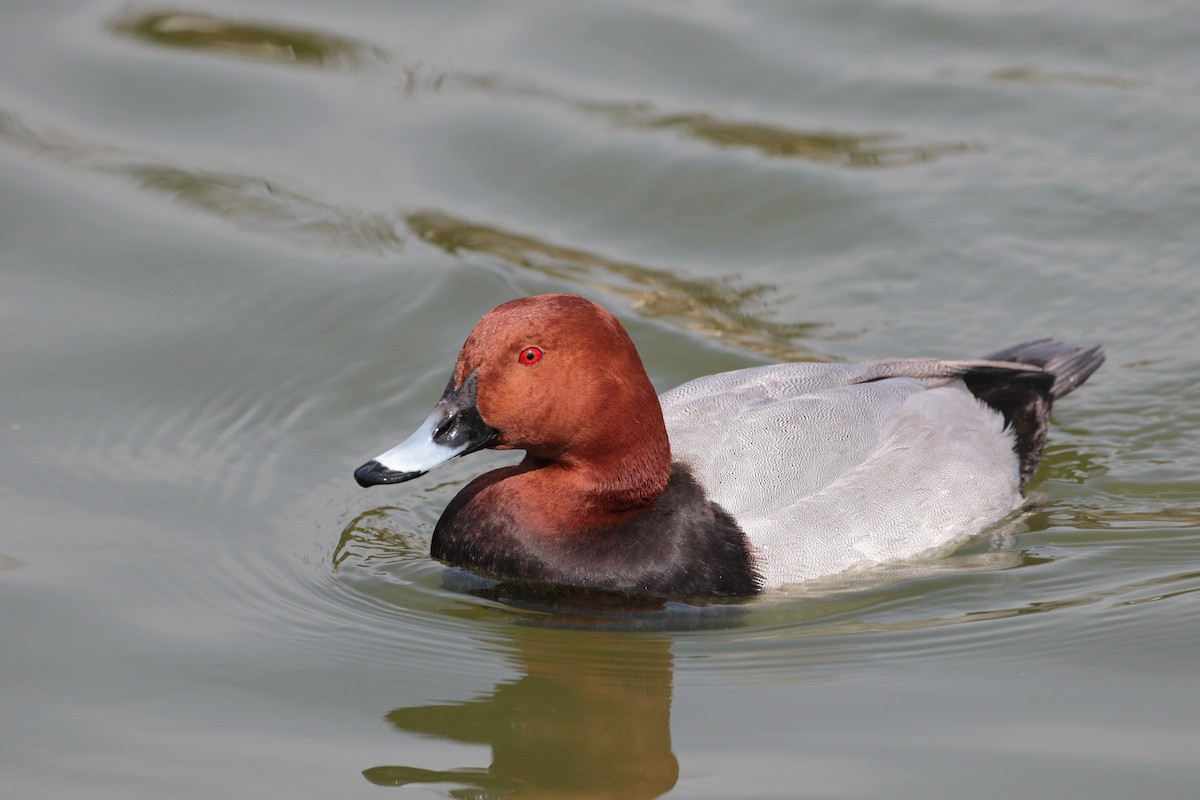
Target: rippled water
{"x": 240, "y": 245}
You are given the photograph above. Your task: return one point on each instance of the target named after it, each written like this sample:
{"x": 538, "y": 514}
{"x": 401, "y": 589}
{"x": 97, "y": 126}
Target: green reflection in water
{"x": 855, "y": 150}
{"x": 590, "y": 717}
{"x": 252, "y": 203}
{"x": 717, "y": 307}
{"x": 280, "y": 43}
{"x": 1038, "y": 76}
{"x": 257, "y": 41}
{"x": 720, "y": 308}
{"x": 260, "y": 205}
{"x": 845, "y": 149}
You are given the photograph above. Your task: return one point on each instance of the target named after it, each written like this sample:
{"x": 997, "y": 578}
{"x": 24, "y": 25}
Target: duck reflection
{"x": 589, "y": 719}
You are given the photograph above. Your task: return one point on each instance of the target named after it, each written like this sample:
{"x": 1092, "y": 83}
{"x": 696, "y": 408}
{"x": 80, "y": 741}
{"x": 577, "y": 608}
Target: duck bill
{"x": 454, "y": 428}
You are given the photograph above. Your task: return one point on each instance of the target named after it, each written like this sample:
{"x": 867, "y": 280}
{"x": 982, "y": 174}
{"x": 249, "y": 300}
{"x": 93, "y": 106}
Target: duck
{"x": 731, "y": 484}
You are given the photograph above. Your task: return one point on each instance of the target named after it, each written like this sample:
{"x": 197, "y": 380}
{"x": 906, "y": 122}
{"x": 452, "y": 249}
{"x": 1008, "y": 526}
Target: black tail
{"x": 1070, "y": 365}
{"x": 1025, "y": 397}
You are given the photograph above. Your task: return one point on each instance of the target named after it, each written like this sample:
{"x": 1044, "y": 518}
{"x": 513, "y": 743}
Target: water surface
{"x": 240, "y": 245}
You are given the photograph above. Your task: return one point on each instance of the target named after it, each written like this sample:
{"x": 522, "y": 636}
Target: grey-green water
{"x": 241, "y": 243}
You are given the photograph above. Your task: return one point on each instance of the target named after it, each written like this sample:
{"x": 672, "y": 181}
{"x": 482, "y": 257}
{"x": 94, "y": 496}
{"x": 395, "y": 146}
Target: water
{"x": 240, "y": 245}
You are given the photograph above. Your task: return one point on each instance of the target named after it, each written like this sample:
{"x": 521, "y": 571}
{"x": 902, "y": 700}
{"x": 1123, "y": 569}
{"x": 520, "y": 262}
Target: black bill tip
{"x": 373, "y": 473}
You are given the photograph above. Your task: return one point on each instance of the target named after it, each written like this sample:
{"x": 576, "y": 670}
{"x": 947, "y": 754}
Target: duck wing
{"x": 827, "y": 467}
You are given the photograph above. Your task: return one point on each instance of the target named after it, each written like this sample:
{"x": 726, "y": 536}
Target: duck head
{"x": 558, "y": 377}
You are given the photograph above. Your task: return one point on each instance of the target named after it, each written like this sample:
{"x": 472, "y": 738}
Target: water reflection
{"x": 256, "y": 204}
{"x": 717, "y": 307}
{"x": 256, "y": 41}
{"x": 589, "y": 718}
{"x": 855, "y": 150}
{"x": 589, "y": 713}
{"x": 845, "y": 149}
{"x": 277, "y": 42}
{"x": 720, "y": 308}
{"x": 372, "y": 535}
{"x": 279, "y": 208}
{"x": 1036, "y": 75}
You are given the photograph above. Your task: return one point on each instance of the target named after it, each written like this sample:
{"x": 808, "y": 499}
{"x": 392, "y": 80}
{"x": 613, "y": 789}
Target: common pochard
{"x": 730, "y": 483}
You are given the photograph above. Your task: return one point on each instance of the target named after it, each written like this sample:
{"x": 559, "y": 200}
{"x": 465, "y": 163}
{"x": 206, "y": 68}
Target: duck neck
{"x": 589, "y": 488}
{"x": 613, "y": 488}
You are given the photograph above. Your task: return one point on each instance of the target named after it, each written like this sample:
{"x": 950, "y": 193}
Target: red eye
{"x": 530, "y": 356}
